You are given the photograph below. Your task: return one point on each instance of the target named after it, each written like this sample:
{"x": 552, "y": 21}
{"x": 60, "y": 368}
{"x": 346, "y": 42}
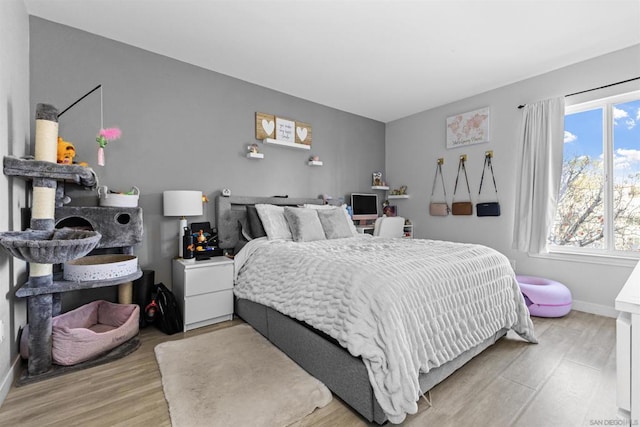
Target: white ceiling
{"x": 379, "y": 59}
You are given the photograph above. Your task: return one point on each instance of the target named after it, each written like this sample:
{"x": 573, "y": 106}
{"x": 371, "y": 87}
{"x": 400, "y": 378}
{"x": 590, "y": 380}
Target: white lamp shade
{"x": 182, "y": 203}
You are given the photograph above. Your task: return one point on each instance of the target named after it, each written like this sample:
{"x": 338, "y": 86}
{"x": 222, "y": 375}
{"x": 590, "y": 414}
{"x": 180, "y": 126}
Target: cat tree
{"x": 43, "y": 245}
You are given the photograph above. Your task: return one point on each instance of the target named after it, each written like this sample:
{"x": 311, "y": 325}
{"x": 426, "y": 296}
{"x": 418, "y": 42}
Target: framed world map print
{"x": 468, "y": 128}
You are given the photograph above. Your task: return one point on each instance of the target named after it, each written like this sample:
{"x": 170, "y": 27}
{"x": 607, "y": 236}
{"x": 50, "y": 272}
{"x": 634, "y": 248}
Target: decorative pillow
{"x": 274, "y": 223}
{"x": 255, "y": 225}
{"x": 243, "y": 238}
{"x": 245, "y": 231}
{"x": 354, "y": 231}
{"x": 334, "y": 223}
{"x": 304, "y": 224}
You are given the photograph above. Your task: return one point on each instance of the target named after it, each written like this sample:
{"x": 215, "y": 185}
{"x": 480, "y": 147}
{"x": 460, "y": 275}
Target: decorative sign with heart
{"x": 268, "y": 126}
{"x": 265, "y": 126}
{"x": 303, "y": 133}
{"x": 281, "y": 129}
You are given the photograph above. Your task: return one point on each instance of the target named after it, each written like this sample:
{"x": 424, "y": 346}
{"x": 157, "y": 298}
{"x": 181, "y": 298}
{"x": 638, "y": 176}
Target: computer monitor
{"x": 364, "y": 206}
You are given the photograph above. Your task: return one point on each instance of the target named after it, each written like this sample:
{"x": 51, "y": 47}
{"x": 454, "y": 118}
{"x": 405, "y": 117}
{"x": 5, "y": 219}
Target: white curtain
{"x": 540, "y": 168}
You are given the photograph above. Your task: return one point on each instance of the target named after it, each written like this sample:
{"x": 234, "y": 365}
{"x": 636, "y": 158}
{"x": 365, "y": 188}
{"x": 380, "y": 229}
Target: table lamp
{"x": 182, "y": 203}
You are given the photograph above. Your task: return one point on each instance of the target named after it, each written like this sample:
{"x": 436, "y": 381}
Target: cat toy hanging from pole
{"x": 104, "y": 135}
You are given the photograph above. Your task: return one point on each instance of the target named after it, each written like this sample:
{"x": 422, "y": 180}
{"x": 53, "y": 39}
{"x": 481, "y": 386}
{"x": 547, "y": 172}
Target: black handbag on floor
{"x": 488, "y": 208}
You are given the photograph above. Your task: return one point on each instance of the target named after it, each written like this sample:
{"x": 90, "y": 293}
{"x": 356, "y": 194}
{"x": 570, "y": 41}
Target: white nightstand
{"x": 204, "y": 290}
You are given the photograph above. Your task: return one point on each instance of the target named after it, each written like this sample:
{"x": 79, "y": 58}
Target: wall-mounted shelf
{"x": 398, "y": 196}
{"x": 255, "y": 156}
{"x": 380, "y": 187}
{"x": 315, "y": 163}
{"x": 286, "y": 144}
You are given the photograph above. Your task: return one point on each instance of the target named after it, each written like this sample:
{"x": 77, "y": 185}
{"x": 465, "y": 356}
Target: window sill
{"x": 621, "y": 260}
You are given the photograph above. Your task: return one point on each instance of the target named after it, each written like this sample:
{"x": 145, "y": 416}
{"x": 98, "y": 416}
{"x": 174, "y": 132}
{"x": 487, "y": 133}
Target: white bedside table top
{"x": 216, "y": 260}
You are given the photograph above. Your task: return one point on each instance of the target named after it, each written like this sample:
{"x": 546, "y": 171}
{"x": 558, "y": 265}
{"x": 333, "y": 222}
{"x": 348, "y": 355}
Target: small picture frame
{"x": 285, "y": 130}
{"x": 390, "y": 210}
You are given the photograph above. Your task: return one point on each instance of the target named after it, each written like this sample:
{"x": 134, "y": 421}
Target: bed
{"x": 355, "y": 313}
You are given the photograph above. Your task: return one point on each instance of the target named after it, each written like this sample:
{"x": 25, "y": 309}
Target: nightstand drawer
{"x": 211, "y": 279}
{"x": 208, "y": 306}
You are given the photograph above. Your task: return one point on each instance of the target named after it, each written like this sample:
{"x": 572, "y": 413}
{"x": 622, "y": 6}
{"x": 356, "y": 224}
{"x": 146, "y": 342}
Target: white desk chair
{"x": 389, "y": 226}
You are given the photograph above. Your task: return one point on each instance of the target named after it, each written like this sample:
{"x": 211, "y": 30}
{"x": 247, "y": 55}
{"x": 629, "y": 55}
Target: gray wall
{"x": 187, "y": 128}
{"x": 14, "y": 140}
{"x": 414, "y": 143}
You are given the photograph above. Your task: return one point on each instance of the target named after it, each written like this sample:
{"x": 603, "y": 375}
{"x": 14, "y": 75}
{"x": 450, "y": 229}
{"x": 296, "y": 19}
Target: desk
{"x": 628, "y": 347}
{"x": 362, "y": 229}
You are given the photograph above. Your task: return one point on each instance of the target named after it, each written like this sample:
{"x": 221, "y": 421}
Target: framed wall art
{"x": 272, "y": 129}
{"x": 468, "y": 128}
{"x": 303, "y": 133}
{"x": 285, "y": 130}
{"x": 265, "y": 126}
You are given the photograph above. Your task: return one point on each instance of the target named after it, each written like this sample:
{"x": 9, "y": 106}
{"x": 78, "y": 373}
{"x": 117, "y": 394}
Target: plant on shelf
{"x": 399, "y": 191}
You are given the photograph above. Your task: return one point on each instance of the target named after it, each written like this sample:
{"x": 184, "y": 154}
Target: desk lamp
{"x": 182, "y": 203}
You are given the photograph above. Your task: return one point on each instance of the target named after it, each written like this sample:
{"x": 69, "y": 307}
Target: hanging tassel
{"x": 100, "y": 156}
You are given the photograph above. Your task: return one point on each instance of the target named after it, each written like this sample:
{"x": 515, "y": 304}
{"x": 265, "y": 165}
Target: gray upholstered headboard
{"x": 232, "y": 211}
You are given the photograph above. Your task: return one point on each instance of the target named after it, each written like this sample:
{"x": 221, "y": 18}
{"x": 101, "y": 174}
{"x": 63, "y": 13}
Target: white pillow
{"x": 274, "y": 222}
{"x": 352, "y": 227}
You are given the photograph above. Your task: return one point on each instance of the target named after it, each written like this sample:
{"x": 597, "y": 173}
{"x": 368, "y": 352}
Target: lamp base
{"x": 182, "y": 226}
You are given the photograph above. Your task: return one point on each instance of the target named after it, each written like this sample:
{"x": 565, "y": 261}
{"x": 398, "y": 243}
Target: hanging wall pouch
{"x": 488, "y": 208}
{"x": 462, "y": 208}
{"x": 438, "y": 208}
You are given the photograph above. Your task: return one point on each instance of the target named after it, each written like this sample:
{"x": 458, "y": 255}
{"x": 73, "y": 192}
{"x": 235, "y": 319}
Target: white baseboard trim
{"x": 589, "y": 307}
{"x": 7, "y": 381}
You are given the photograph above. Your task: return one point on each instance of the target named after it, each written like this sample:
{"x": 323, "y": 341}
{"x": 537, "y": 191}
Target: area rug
{"x": 235, "y": 377}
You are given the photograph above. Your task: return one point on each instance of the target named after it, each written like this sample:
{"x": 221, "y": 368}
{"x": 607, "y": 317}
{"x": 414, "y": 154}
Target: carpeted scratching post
{"x": 40, "y": 307}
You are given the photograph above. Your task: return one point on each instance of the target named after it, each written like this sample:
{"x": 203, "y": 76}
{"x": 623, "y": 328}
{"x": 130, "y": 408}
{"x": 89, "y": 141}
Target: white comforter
{"x": 404, "y": 305}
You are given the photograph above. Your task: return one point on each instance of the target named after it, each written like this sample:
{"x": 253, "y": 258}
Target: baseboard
{"x": 589, "y": 307}
{"x": 7, "y": 381}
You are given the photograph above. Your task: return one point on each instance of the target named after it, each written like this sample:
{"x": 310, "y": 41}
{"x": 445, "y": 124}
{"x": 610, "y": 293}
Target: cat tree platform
{"x": 49, "y": 246}
{"x": 29, "y": 168}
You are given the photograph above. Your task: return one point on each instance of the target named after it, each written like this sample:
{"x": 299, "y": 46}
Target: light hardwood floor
{"x": 566, "y": 380}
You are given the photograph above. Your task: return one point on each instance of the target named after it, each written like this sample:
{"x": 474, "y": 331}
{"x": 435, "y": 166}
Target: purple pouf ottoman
{"x": 545, "y": 297}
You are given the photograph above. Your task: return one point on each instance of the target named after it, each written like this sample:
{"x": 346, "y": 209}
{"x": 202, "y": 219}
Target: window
{"x": 599, "y": 200}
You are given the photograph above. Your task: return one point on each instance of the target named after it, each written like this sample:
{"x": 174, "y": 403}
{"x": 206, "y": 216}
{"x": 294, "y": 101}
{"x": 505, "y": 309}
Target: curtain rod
{"x": 595, "y": 88}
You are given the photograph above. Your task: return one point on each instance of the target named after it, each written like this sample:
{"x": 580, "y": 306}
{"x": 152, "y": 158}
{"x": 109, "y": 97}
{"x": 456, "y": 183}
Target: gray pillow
{"x": 334, "y": 223}
{"x": 274, "y": 222}
{"x": 343, "y": 208}
{"x": 255, "y": 225}
{"x": 243, "y": 238}
{"x": 304, "y": 224}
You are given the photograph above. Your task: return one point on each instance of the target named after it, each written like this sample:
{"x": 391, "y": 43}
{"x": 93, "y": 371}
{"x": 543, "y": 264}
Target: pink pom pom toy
{"x": 104, "y": 136}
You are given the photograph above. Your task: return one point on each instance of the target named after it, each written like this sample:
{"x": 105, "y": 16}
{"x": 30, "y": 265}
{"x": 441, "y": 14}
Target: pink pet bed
{"x": 545, "y": 297}
{"x": 88, "y": 331}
